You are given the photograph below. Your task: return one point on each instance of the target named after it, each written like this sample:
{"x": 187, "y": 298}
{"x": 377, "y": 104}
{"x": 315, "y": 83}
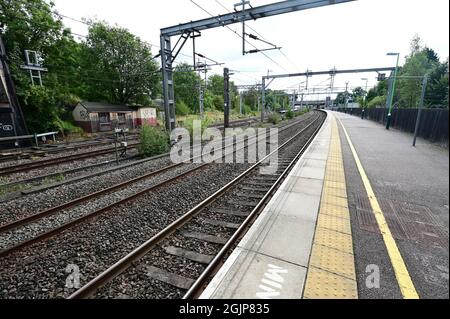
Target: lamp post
{"x": 365, "y": 98}
{"x": 391, "y": 96}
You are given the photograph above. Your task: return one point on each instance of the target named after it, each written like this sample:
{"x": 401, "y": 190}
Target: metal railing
{"x": 29, "y": 137}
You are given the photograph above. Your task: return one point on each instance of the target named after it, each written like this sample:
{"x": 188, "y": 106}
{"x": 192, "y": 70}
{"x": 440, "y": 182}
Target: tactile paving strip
{"x": 341, "y": 225}
{"x": 326, "y": 285}
{"x": 331, "y": 271}
{"x": 333, "y": 260}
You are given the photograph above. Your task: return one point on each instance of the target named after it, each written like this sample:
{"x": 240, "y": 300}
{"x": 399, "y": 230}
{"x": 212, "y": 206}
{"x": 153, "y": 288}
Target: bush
{"x": 218, "y": 102}
{"x": 189, "y": 125}
{"x": 181, "y": 108}
{"x": 377, "y": 101}
{"x": 274, "y": 118}
{"x": 153, "y": 141}
{"x": 66, "y": 127}
{"x": 290, "y": 115}
{"x": 246, "y": 109}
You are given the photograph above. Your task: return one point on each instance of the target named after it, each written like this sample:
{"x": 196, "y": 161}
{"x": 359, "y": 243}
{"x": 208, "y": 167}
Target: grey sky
{"x": 350, "y": 35}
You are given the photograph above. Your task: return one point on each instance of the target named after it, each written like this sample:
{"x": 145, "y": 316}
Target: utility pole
{"x": 263, "y": 100}
{"x": 419, "y": 114}
{"x": 346, "y": 95}
{"x": 391, "y": 96}
{"x": 365, "y": 98}
{"x": 240, "y": 102}
{"x": 226, "y": 97}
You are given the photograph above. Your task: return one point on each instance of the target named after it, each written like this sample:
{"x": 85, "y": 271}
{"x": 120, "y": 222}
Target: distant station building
{"x": 100, "y": 117}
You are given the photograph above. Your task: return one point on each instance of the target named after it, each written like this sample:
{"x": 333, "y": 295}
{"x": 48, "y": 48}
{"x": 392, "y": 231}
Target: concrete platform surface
{"x": 412, "y": 187}
{"x": 272, "y": 259}
{"x": 363, "y": 214}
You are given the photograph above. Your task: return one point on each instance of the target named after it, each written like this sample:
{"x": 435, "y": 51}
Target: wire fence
{"x": 434, "y": 125}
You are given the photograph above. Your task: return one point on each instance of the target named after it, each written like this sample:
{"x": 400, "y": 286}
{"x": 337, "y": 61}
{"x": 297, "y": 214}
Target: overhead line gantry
{"x": 194, "y": 27}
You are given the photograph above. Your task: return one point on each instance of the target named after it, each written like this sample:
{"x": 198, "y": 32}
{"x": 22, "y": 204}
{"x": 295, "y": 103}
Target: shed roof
{"x": 104, "y": 107}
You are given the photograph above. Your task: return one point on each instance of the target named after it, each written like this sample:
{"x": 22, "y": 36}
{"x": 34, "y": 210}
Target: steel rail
{"x": 95, "y": 213}
{"x": 58, "y": 149}
{"x": 7, "y": 170}
{"x": 124, "y": 263}
{"x": 26, "y": 220}
{"x": 74, "y": 222}
{"x": 218, "y": 259}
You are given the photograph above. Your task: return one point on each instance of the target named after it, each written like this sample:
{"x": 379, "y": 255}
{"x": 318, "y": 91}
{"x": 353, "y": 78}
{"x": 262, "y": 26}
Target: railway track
{"x": 45, "y": 151}
{"x": 18, "y": 186}
{"x": 22, "y": 247}
{"x": 253, "y": 190}
{"x": 29, "y": 153}
{"x": 8, "y": 170}
{"x": 62, "y": 208}
{"x": 34, "y": 180}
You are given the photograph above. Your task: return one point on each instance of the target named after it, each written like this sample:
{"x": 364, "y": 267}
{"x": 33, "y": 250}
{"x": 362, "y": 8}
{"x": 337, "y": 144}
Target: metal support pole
{"x": 115, "y": 147}
{"x": 259, "y": 103}
{"x": 263, "y": 100}
{"x": 167, "y": 83}
{"x": 226, "y": 97}
{"x": 391, "y": 98}
{"x": 388, "y": 98}
{"x": 419, "y": 114}
{"x": 240, "y": 103}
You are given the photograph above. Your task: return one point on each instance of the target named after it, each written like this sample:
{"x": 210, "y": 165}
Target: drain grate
{"x": 362, "y": 202}
{"x": 406, "y": 220}
{"x": 366, "y": 221}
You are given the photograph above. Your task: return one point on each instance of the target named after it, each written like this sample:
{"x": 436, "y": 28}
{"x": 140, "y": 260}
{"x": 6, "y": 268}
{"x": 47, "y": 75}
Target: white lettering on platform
{"x": 272, "y": 282}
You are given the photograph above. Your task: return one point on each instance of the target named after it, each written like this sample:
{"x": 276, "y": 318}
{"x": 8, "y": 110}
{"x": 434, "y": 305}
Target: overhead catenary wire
{"x": 240, "y": 36}
{"x": 87, "y": 23}
{"x": 261, "y": 37}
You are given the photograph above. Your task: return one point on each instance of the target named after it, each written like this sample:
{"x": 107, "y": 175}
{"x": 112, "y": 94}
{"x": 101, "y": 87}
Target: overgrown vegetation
{"x": 290, "y": 115}
{"x": 274, "y": 118}
{"x": 66, "y": 128}
{"x": 189, "y": 125}
{"x": 181, "y": 108}
{"x": 153, "y": 141}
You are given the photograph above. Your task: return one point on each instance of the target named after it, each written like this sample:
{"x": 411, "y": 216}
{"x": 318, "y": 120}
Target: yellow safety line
{"x": 331, "y": 270}
{"x": 401, "y": 272}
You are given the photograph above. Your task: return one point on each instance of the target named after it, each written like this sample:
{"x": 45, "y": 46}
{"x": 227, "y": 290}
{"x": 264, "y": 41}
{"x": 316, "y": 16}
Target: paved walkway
{"x": 412, "y": 188}
{"x": 362, "y": 215}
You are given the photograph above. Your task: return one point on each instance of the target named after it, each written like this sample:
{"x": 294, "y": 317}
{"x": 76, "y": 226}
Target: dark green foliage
{"x": 290, "y": 114}
{"x": 218, "y": 102}
{"x": 358, "y": 93}
{"x": 274, "y": 118}
{"x": 123, "y": 63}
{"x": 186, "y": 83}
{"x": 153, "y": 141}
{"x": 112, "y": 65}
{"x": 420, "y": 61}
{"x": 181, "y": 108}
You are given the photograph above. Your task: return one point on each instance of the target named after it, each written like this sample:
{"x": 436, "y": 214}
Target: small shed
{"x": 145, "y": 115}
{"x": 100, "y": 117}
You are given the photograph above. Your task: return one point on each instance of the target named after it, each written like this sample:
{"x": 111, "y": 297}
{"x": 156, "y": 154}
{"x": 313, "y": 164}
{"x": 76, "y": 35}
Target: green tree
{"x": 128, "y": 72}
{"x": 358, "y": 92}
{"x": 216, "y": 85}
{"x": 438, "y": 86}
{"x": 31, "y": 25}
{"x": 218, "y": 102}
{"x": 181, "y": 108}
{"x": 186, "y": 82}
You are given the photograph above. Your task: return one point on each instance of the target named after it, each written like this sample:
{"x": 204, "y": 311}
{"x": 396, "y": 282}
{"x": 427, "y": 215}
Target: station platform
{"x": 363, "y": 214}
